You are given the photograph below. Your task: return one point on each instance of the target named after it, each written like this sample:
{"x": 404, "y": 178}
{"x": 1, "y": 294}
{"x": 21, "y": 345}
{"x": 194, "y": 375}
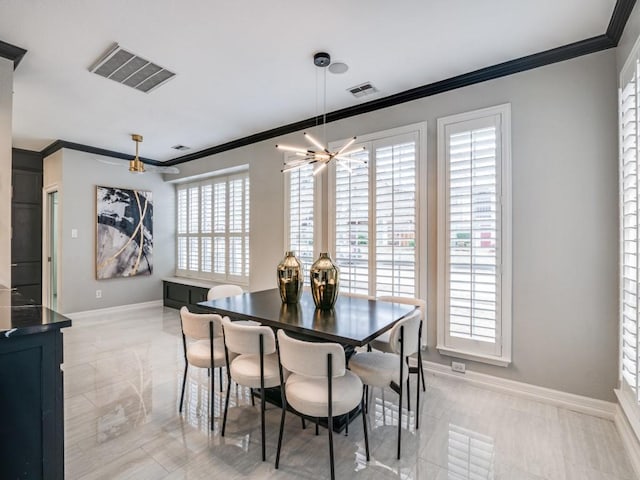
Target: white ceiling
{"x": 246, "y": 66}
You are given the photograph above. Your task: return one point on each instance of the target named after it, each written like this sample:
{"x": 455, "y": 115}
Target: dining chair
{"x": 255, "y": 364}
{"x": 382, "y": 342}
{"x": 221, "y": 291}
{"x": 318, "y": 386}
{"x": 382, "y": 369}
{"x": 203, "y": 346}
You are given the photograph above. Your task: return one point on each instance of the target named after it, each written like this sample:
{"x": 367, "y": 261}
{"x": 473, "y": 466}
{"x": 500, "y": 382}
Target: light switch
{"x": 74, "y": 233}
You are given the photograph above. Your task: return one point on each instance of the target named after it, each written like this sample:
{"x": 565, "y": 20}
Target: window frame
{"x": 420, "y": 131}
{"x": 501, "y": 355}
{"x": 225, "y": 176}
{"x": 628, "y": 399}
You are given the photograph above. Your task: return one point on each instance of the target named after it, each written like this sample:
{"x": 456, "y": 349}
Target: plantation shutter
{"x": 472, "y": 234}
{"x": 375, "y": 219}
{"x": 629, "y": 228}
{"x": 213, "y": 229}
{"x": 301, "y": 216}
{"x": 351, "y": 251}
{"x": 395, "y": 206}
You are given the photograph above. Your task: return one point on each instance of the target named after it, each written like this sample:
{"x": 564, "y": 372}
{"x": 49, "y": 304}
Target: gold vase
{"x": 325, "y": 282}
{"x": 290, "y": 278}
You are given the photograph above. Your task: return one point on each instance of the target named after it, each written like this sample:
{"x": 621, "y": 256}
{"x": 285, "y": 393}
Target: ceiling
{"x": 247, "y": 66}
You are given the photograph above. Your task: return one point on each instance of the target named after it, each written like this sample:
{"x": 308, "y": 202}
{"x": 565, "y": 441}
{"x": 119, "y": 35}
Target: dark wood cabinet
{"x": 26, "y": 222}
{"x": 177, "y": 295}
{"x": 31, "y": 399}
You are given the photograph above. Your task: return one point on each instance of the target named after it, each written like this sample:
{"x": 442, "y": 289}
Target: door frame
{"x": 46, "y": 240}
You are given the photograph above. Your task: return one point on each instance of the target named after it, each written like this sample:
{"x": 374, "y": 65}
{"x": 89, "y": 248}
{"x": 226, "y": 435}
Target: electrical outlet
{"x": 99, "y": 295}
{"x": 458, "y": 367}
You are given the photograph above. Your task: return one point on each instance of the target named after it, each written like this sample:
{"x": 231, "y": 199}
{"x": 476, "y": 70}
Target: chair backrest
{"x": 245, "y": 339}
{"x": 196, "y": 325}
{"x": 221, "y": 291}
{"x": 411, "y": 324}
{"x": 421, "y": 304}
{"x": 310, "y": 358}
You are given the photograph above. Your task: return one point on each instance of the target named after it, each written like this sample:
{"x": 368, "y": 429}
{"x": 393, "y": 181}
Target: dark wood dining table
{"x": 354, "y": 321}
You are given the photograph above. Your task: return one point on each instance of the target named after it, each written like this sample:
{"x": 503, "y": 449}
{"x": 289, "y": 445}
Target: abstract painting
{"x": 124, "y": 239}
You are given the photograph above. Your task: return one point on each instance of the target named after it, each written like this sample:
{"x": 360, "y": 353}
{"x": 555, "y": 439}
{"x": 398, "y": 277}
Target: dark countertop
{"x": 18, "y": 318}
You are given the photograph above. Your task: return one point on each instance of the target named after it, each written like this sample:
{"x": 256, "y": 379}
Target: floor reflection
{"x": 470, "y": 455}
{"x": 126, "y": 398}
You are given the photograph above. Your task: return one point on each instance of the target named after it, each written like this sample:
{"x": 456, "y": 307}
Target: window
{"x": 474, "y": 236}
{"x": 300, "y": 211}
{"x": 374, "y": 227}
{"x": 629, "y": 116}
{"x": 213, "y": 229}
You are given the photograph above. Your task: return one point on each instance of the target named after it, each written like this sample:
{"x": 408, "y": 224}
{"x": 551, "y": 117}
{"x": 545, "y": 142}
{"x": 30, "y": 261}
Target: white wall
{"x": 564, "y": 125}
{"x": 6, "y": 107}
{"x": 80, "y": 175}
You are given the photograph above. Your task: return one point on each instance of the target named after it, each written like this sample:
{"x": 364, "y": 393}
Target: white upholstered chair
{"x": 221, "y": 291}
{"x": 319, "y": 385}
{"x": 203, "y": 346}
{"x": 255, "y": 364}
{"x": 382, "y": 369}
{"x": 382, "y": 342}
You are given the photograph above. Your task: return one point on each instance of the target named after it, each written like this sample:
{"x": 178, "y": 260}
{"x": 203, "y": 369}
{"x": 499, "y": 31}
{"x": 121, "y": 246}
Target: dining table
{"x": 353, "y": 321}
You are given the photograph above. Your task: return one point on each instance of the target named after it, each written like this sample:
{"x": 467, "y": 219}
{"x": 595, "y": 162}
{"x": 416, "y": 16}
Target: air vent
{"x": 130, "y": 69}
{"x": 362, "y": 90}
{"x": 181, "y": 147}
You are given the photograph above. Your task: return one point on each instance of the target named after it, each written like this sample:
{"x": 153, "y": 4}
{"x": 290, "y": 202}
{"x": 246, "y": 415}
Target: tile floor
{"x": 122, "y": 386}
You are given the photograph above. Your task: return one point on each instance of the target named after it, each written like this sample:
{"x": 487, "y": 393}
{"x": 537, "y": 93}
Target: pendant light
{"x": 320, "y": 156}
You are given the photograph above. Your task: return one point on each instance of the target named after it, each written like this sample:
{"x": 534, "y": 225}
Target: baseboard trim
{"x": 629, "y": 439}
{"x": 110, "y": 310}
{"x": 577, "y": 403}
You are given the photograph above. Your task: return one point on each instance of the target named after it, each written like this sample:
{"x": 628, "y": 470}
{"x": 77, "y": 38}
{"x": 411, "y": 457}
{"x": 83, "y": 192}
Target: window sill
{"x": 490, "y": 359}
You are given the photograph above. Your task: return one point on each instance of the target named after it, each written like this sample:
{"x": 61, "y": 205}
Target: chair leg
{"x": 364, "y": 425}
{"x": 330, "y": 428}
{"x": 418, "y": 402}
{"x": 220, "y": 378}
{"x": 264, "y": 454}
{"x": 408, "y": 398}
{"x": 304, "y": 424}
{"x": 421, "y": 368}
{"x": 317, "y": 427}
{"x": 400, "y": 385}
{"x": 184, "y": 382}
{"x": 284, "y": 412}
{"x": 212, "y": 396}
{"x": 346, "y": 425}
{"x": 253, "y": 400}
{"x": 226, "y": 408}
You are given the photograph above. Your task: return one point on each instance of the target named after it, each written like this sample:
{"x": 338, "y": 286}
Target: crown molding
{"x": 559, "y": 54}
{"x": 11, "y": 52}
{"x": 60, "y": 144}
{"x": 619, "y": 18}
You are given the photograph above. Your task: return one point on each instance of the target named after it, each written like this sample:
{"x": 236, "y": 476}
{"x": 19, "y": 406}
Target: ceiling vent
{"x": 181, "y": 148}
{"x": 129, "y": 69}
{"x": 362, "y": 90}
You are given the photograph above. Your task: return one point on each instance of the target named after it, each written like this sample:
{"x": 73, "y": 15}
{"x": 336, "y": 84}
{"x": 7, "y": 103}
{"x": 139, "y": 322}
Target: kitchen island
{"x": 31, "y": 390}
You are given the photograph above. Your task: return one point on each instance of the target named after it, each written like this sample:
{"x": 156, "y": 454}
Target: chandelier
{"x": 321, "y": 156}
